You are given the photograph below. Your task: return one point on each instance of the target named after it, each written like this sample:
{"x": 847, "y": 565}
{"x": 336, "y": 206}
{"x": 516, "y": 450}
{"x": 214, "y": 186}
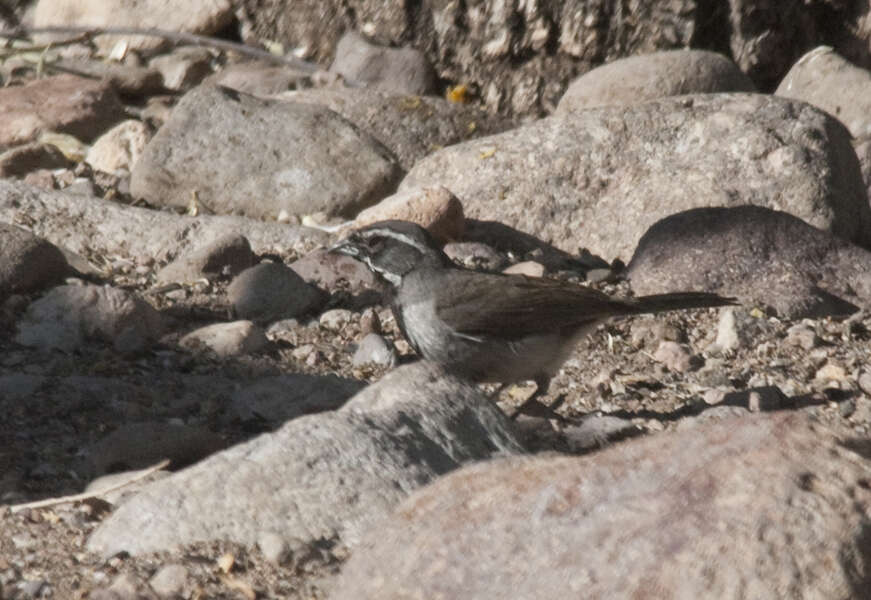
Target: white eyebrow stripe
{"x": 407, "y": 240}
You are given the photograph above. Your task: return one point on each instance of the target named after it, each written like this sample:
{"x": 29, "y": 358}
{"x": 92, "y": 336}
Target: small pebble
{"x": 31, "y": 589}
{"x": 865, "y": 382}
{"x": 169, "y": 580}
{"x": 303, "y": 352}
{"x": 274, "y": 547}
{"x": 370, "y": 322}
{"x": 335, "y": 319}
{"x": 831, "y": 372}
{"x": 801, "y": 335}
{"x": 530, "y": 268}
{"x": 374, "y": 349}
{"x": 676, "y": 357}
{"x": 714, "y": 396}
{"x": 847, "y": 407}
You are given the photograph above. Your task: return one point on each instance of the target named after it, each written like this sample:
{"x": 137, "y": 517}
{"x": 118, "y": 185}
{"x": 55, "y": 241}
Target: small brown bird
{"x": 488, "y": 327}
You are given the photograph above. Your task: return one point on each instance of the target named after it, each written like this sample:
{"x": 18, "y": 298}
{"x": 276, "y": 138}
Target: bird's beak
{"x": 346, "y": 246}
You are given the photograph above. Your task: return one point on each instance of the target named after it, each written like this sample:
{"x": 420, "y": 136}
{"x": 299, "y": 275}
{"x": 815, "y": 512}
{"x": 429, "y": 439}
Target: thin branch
{"x": 177, "y": 37}
{"x": 86, "y": 495}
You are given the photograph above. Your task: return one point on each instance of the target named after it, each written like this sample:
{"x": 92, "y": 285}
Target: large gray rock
{"x": 226, "y": 339}
{"x": 766, "y": 258}
{"x": 398, "y": 70}
{"x": 763, "y": 507}
{"x": 331, "y": 475}
{"x": 226, "y": 256}
{"x": 192, "y": 16}
{"x": 86, "y": 224}
{"x": 648, "y": 76}
{"x": 828, "y": 81}
{"x": 599, "y": 178}
{"x": 271, "y": 291}
{"x": 69, "y": 315}
{"x": 264, "y": 157}
{"x": 28, "y": 262}
{"x": 285, "y": 397}
{"x": 411, "y": 127}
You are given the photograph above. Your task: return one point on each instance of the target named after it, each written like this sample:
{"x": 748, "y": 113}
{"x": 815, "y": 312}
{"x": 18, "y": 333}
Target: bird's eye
{"x": 374, "y": 241}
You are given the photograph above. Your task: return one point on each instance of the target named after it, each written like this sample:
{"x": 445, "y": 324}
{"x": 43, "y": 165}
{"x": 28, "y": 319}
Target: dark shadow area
{"x": 858, "y": 568}
{"x": 525, "y": 246}
{"x": 71, "y": 417}
{"x": 767, "y": 399}
{"x": 861, "y": 446}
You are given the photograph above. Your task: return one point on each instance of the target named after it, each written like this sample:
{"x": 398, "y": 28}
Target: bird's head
{"x": 393, "y": 248}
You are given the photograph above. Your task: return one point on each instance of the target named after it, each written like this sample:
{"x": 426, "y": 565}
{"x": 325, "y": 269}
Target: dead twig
{"x": 86, "y": 495}
{"x": 176, "y": 37}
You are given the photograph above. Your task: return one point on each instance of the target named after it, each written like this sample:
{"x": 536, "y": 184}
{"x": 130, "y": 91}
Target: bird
{"x": 490, "y": 327}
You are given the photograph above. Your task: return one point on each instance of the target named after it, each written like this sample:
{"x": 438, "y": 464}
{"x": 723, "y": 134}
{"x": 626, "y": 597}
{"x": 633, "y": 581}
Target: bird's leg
{"x": 534, "y": 407}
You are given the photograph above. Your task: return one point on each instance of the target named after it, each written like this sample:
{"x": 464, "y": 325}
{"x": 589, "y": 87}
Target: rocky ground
{"x": 165, "y": 294}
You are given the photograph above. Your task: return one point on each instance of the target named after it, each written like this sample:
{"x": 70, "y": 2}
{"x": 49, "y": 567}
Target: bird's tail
{"x": 680, "y": 300}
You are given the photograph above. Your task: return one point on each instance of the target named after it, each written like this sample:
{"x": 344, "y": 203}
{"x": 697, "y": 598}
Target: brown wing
{"x": 515, "y": 306}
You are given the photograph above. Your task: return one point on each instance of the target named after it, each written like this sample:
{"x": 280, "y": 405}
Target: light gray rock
{"x": 599, "y": 178}
{"x": 803, "y": 336}
{"x": 272, "y": 291}
{"x": 298, "y": 158}
{"x": 332, "y": 475}
{"x": 645, "y": 77}
{"x": 184, "y": 67}
{"x": 119, "y": 148}
{"x": 374, "y": 349}
{"x": 757, "y": 507}
{"x": 529, "y": 268}
{"x": 28, "y": 262}
{"x": 226, "y": 339}
{"x": 274, "y": 547}
{"x": 411, "y": 127}
{"x": 285, "y": 397}
{"x": 335, "y": 319}
{"x": 766, "y": 258}
{"x": 86, "y": 224}
{"x": 225, "y": 256}
{"x": 475, "y": 255}
{"x": 78, "y": 106}
{"x": 169, "y": 581}
{"x": 827, "y": 80}
{"x": 259, "y": 79}
{"x": 69, "y": 315}
{"x": 397, "y": 70}
{"x": 195, "y": 16}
